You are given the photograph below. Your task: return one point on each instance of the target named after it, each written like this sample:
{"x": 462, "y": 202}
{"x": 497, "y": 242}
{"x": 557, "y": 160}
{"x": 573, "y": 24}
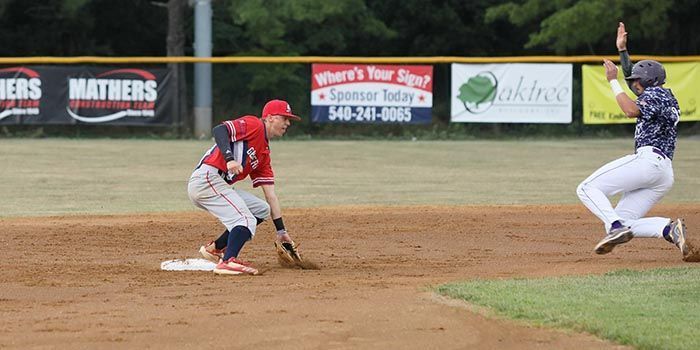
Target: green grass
{"x": 65, "y": 176}
{"x": 655, "y": 309}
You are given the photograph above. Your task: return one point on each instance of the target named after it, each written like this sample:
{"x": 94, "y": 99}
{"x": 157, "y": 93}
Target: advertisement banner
{"x": 511, "y": 93}
{"x": 20, "y": 94}
{"x": 346, "y": 93}
{"x": 600, "y": 107}
{"x": 88, "y": 95}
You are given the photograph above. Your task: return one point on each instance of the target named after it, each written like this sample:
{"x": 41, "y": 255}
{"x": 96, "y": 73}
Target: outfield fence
{"x": 336, "y": 59}
{"x": 241, "y": 84}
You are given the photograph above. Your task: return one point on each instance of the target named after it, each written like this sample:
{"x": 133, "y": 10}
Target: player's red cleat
{"x": 235, "y": 266}
{"x": 210, "y": 252}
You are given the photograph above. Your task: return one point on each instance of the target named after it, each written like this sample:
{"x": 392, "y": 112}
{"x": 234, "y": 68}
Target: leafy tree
{"x": 33, "y": 27}
{"x": 447, "y": 28}
{"x": 293, "y": 27}
{"x": 588, "y": 26}
{"x": 127, "y": 28}
{"x": 81, "y": 27}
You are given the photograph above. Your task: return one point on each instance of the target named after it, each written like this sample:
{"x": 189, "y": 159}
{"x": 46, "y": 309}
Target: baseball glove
{"x": 288, "y": 256}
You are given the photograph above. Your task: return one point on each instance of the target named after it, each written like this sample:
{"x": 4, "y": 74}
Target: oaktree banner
{"x": 349, "y": 93}
{"x": 511, "y": 93}
{"x": 600, "y": 107}
{"x": 86, "y": 95}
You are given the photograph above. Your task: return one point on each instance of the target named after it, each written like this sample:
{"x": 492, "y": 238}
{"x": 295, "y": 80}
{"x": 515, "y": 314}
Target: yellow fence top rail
{"x": 338, "y": 59}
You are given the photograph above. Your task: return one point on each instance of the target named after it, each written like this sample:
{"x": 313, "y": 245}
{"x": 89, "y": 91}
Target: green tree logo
{"x": 479, "y": 92}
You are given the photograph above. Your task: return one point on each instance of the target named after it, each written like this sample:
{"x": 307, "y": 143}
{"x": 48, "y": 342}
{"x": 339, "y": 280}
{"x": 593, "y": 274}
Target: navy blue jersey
{"x": 656, "y": 126}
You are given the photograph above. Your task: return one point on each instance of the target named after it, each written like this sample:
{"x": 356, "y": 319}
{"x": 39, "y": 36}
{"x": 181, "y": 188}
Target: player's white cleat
{"x": 616, "y": 236}
{"x": 234, "y": 266}
{"x": 210, "y": 252}
{"x": 677, "y": 234}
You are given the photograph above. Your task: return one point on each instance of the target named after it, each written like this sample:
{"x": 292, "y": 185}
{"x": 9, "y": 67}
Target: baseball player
{"x": 646, "y": 176}
{"x": 242, "y": 149}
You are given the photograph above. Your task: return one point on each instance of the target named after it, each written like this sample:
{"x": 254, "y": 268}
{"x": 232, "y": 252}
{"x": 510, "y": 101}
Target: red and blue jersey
{"x": 250, "y": 147}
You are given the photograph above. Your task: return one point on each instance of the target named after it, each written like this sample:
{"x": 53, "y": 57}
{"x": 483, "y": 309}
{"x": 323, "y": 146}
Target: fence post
{"x": 202, "y": 71}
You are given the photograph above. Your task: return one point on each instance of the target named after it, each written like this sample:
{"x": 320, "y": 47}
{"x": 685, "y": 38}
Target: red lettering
{"x": 144, "y": 105}
{"x": 89, "y": 104}
{"x": 8, "y": 104}
{"x": 28, "y": 104}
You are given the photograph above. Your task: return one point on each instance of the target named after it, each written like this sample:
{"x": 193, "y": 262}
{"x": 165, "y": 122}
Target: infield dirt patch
{"x": 94, "y": 281}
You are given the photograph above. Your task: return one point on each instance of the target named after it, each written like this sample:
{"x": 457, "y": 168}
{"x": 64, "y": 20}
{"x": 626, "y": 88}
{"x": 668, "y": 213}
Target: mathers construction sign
{"x": 87, "y": 95}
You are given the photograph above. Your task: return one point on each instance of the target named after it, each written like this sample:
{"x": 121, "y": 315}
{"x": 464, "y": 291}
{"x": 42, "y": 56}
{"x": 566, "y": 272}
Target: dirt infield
{"x": 94, "y": 281}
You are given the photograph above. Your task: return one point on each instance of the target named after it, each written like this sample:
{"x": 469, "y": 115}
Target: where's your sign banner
{"x": 349, "y": 93}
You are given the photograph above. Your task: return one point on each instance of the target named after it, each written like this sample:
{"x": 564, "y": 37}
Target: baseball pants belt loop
{"x": 223, "y": 174}
{"x": 659, "y": 152}
{"x": 212, "y": 169}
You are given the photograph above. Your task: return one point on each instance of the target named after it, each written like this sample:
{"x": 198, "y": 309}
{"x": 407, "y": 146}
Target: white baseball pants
{"x": 208, "y": 191}
{"x": 643, "y": 179}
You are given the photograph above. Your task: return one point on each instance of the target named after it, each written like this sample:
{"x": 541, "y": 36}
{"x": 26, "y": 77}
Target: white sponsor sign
{"x": 511, "y": 93}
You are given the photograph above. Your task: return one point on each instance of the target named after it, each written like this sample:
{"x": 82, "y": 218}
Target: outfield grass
{"x": 67, "y": 176}
{"x": 656, "y": 309}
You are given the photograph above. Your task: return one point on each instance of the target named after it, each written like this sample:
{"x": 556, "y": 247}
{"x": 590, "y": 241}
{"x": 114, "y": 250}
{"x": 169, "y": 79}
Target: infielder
{"x": 242, "y": 149}
{"x": 646, "y": 176}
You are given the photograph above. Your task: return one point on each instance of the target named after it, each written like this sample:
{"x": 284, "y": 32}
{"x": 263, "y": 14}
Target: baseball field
{"x": 422, "y": 245}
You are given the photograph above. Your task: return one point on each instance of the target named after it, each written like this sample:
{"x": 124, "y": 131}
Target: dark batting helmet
{"x": 649, "y": 72}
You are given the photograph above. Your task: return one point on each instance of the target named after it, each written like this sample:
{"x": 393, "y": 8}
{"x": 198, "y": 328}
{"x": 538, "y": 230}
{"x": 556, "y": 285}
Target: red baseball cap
{"x": 278, "y": 107}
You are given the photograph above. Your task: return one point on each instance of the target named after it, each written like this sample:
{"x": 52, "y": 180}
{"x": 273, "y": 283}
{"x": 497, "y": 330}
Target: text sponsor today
{"x": 371, "y": 93}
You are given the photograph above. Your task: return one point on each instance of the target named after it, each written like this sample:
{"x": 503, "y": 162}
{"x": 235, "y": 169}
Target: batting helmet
{"x": 649, "y": 72}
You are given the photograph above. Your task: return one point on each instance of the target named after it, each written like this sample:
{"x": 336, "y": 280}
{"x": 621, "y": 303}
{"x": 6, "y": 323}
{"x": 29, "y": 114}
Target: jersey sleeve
{"x": 648, "y": 105}
{"x": 263, "y": 175}
{"x": 237, "y": 129}
{"x": 626, "y": 64}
